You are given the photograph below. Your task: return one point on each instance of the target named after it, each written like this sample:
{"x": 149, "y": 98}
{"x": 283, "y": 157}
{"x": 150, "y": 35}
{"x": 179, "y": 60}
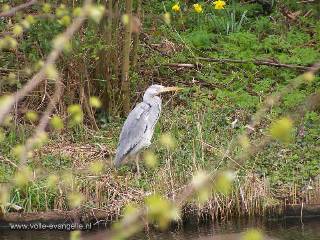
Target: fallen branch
{"x": 13, "y": 10}
{"x": 256, "y": 62}
{"x": 183, "y": 65}
{"x": 307, "y": 1}
{"x": 227, "y": 60}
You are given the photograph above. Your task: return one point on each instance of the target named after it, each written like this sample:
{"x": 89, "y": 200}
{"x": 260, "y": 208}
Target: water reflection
{"x": 289, "y": 229}
{"x": 6, "y": 234}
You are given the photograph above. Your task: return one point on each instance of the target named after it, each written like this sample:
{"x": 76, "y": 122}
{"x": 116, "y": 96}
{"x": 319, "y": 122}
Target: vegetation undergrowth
{"x": 197, "y": 127}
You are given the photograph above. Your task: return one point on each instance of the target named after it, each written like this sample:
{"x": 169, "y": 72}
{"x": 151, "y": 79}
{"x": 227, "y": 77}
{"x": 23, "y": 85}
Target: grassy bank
{"x": 198, "y": 127}
{"x": 254, "y": 192}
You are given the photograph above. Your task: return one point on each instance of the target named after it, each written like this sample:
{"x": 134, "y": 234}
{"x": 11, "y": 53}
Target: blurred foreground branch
{"x": 275, "y": 98}
{"x": 13, "y": 10}
{"x": 59, "y": 44}
{"x": 132, "y": 223}
{"x": 40, "y": 130}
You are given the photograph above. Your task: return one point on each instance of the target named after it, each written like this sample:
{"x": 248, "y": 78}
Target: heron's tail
{"x": 117, "y": 160}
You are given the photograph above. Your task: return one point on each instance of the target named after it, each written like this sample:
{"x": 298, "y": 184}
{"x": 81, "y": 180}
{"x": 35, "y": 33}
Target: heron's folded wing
{"x": 133, "y": 131}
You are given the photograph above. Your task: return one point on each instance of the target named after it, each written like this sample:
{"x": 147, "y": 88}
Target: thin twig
{"x": 43, "y": 122}
{"x": 6, "y": 160}
{"x": 13, "y": 10}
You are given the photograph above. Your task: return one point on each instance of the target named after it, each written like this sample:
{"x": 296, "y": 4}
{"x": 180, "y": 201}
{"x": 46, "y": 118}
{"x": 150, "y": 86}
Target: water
{"x": 289, "y": 229}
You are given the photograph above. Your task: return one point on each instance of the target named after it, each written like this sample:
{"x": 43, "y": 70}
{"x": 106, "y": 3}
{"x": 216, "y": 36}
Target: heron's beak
{"x": 170, "y": 89}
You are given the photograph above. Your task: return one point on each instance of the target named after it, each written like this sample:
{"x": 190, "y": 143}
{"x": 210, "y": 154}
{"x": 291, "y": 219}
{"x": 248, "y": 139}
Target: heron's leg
{"x": 137, "y": 164}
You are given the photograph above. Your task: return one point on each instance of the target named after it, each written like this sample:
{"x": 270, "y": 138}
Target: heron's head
{"x": 156, "y": 89}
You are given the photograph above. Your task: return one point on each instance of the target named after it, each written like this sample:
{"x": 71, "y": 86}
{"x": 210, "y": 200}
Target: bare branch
{"x": 306, "y": 1}
{"x": 43, "y": 122}
{"x": 256, "y": 62}
{"x": 6, "y": 160}
{"x": 13, "y": 10}
{"x": 183, "y": 65}
{"x": 227, "y": 60}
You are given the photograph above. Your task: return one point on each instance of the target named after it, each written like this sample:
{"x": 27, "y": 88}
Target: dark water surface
{"x": 289, "y": 229}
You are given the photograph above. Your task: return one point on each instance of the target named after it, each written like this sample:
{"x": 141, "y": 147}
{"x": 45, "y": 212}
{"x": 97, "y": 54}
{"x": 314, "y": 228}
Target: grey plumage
{"x": 138, "y": 129}
{"x": 139, "y": 126}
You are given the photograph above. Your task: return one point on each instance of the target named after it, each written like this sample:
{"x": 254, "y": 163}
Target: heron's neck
{"x": 151, "y": 100}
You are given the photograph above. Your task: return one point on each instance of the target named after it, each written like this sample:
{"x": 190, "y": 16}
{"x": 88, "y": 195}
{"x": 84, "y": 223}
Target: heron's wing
{"x": 132, "y": 131}
{"x": 154, "y": 114}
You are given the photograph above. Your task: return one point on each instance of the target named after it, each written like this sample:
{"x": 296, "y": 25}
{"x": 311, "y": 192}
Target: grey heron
{"x": 138, "y": 129}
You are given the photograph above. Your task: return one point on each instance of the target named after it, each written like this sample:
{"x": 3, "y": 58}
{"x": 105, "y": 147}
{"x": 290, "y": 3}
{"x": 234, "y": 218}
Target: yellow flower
{"x": 219, "y": 4}
{"x": 176, "y": 8}
{"x": 197, "y": 8}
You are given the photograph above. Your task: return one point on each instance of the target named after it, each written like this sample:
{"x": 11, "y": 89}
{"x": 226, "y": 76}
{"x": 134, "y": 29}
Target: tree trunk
{"x": 107, "y": 94}
{"x": 136, "y": 38}
{"x": 115, "y": 59}
{"x": 125, "y": 81}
